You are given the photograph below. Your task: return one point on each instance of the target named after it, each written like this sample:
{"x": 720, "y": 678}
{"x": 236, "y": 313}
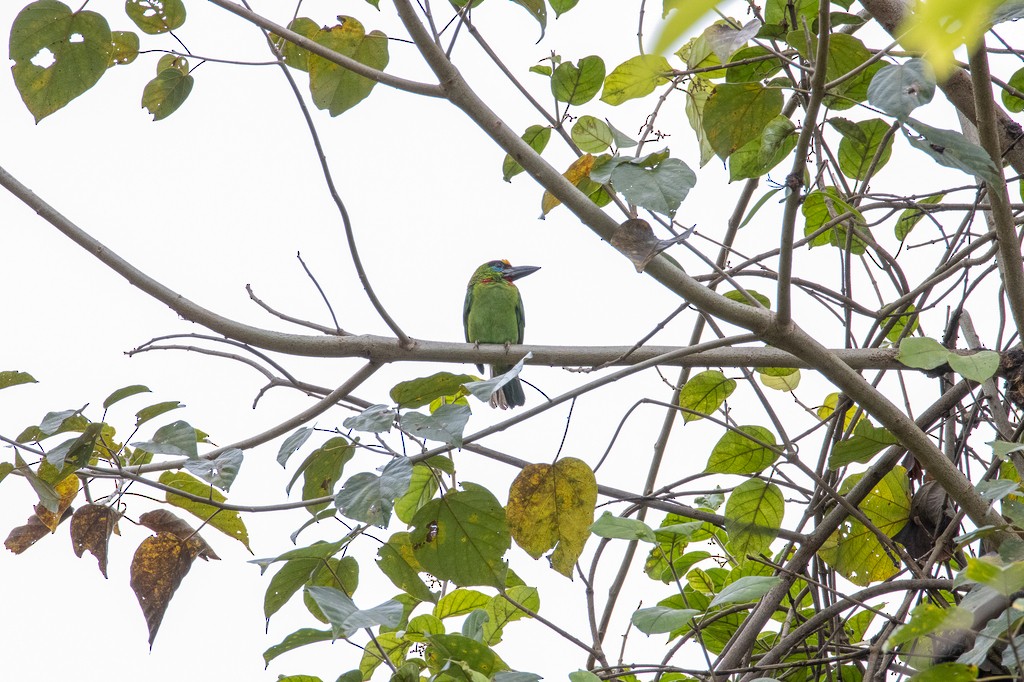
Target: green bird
{"x": 493, "y": 313}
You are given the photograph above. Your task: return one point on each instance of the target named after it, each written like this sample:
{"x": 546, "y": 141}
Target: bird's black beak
{"x": 514, "y": 273}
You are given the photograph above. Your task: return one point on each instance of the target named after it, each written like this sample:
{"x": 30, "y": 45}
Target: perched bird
{"x": 493, "y": 313}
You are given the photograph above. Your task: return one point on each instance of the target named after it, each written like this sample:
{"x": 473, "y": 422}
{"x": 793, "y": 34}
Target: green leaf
{"x": 740, "y": 451}
{"x": 698, "y": 92}
{"x": 460, "y": 602}
{"x": 591, "y": 134}
{"x": 398, "y": 562}
{"x": 784, "y": 379}
{"x": 910, "y": 217}
{"x": 147, "y": 413}
{"x": 616, "y": 527}
{"x": 576, "y": 84}
{"x": 295, "y": 56}
{"x": 322, "y": 470}
{"x": 122, "y": 393}
{"x": 220, "y": 471}
{"x": 446, "y": 424}
{"x": 953, "y": 150}
{"x": 636, "y": 77}
{"x": 13, "y": 378}
{"x": 824, "y": 207}
{"x": 622, "y": 140}
{"x": 1006, "y": 580}
{"x": 369, "y": 498}
{"x": 704, "y": 393}
{"x": 562, "y": 6}
{"x": 746, "y": 589}
{"x": 537, "y": 10}
{"x": 334, "y": 87}
{"x": 739, "y": 297}
{"x": 856, "y": 153}
{"x": 177, "y": 439}
{"x": 500, "y": 611}
{"x": 898, "y": 89}
{"x": 922, "y": 353}
{"x": 756, "y": 71}
{"x": 760, "y": 155}
{"x": 737, "y": 113}
{"x": 845, "y": 53}
{"x": 164, "y": 94}
{"x": 374, "y": 419}
{"x": 341, "y": 574}
{"x": 907, "y": 322}
{"x": 156, "y": 16}
{"x": 74, "y": 46}
{"x": 124, "y": 48}
{"x": 537, "y": 137}
{"x": 753, "y": 516}
{"x": 289, "y": 579}
{"x": 422, "y": 391}
{"x": 292, "y": 443}
{"x": 422, "y": 487}
{"x": 947, "y": 672}
{"x": 660, "y": 619}
{"x": 977, "y": 366}
{"x": 1013, "y": 103}
{"x": 346, "y": 619}
{"x": 660, "y": 188}
{"x": 48, "y": 497}
{"x": 583, "y": 676}
{"x": 866, "y": 442}
{"x": 927, "y": 618}
{"x": 483, "y": 389}
{"x": 853, "y": 550}
{"x": 777, "y": 11}
{"x": 685, "y": 13}
{"x": 226, "y": 521}
{"x": 476, "y": 656}
{"x": 462, "y": 537}
{"x": 299, "y": 638}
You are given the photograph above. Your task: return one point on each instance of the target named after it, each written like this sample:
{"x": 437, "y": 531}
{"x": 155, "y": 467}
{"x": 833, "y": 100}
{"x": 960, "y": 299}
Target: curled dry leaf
{"x": 91, "y": 528}
{"x": 160, "y": 564}
{"x": 163, "y": 521}
{"x": 23, "y": 537}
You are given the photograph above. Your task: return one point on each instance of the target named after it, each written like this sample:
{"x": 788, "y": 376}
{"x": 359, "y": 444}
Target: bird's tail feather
{"x": 510, "y": 395}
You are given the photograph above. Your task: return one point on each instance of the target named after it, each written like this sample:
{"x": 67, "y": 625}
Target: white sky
{"x": 224, "y": 193}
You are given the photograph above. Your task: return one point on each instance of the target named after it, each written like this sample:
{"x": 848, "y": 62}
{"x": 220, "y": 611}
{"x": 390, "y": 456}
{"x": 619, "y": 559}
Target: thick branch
{"x": 1011, "y": 268}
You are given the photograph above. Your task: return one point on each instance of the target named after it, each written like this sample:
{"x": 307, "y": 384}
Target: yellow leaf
{"x": 553, "y": 506}
{"x": 68, "y": 490}
{"x": 937, "y": 27}
{"x": 576, "y": 173}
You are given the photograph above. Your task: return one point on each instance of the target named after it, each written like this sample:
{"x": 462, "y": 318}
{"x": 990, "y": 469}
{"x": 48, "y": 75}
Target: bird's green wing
{"x": 520, "y": 316}
{"x": 465, "y": 312}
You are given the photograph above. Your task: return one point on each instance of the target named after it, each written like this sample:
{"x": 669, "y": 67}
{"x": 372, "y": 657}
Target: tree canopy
{"x": 773, "y": 415}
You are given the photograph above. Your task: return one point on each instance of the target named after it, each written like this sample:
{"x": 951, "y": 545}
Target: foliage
{"x": 770, "y": 562}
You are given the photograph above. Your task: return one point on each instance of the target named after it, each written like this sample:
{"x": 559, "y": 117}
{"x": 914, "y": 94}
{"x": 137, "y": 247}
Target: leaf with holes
{"x": 58, "y": 54}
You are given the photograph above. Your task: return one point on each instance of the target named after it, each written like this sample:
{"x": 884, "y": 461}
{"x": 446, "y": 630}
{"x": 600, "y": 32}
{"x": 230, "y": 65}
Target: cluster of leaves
{"x": 457, "y": 537}
{"x": 59, "y": 54}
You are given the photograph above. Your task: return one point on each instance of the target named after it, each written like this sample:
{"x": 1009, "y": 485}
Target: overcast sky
{"x": 223, "y": 194}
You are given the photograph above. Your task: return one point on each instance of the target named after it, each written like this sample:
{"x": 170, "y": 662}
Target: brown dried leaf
{"x": 91, "y": 528}
{"x": 163, "y": 521}
{"x": 160, "y": 564}
{"x": 635, "y": 239}
{"x": 67, "y": 489}
{"x": 23, "y": 537}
